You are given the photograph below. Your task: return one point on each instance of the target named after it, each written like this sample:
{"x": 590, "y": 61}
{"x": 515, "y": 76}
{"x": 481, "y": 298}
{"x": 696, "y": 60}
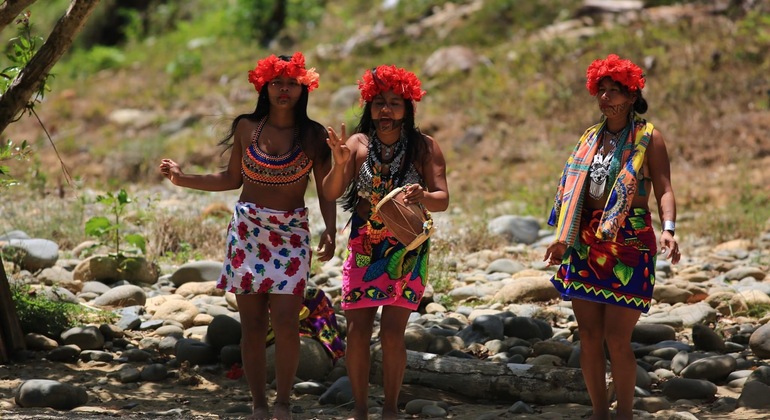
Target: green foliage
{"x": 10, "y": 151}
{"x": 22, "y": 48}
{"x": 101, "y": 58}
{"x": 759, "y": 311}
{"x": 38, "y": 314}
{"x": 184, "y": 65}
{"x": 109, "y": 231}
{"x": 259, "y": 16}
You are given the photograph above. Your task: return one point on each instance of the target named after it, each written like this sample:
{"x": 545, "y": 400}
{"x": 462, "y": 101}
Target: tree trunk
{"x": 11, "y": 336}
{"x": 485, "y": 380}
{"x": 10, "y": 9}
{"x": 28, "y": 81}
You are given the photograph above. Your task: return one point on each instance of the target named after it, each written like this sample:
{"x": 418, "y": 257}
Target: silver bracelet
{"x": 669, "y": 225}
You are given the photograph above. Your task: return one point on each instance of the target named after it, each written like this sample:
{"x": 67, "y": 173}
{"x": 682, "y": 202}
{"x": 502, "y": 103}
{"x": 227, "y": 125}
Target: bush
{"x": 38, "y": 314}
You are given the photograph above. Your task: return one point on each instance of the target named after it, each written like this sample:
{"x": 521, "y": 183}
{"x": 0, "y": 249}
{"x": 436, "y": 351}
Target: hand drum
{"x": 411, "y": 223}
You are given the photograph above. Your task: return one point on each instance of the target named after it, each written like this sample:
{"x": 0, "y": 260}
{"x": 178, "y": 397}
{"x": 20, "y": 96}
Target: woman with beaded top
{"x": 605, "y": 244}
{"x": 267, "y": 263}
{"x": 386, "y": 151}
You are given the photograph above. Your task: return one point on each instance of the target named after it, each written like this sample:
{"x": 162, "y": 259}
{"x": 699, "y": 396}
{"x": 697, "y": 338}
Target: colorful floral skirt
{"x": 620, "y": 272}
{"x": 268, "y": 251}
{"x": 380, "y": 271}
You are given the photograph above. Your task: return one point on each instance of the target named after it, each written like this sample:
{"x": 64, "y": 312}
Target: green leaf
{"x": 98, "y": 226}
{"x": 138, "y": 241}
{"x": 623, "y": 272}
{"x": 123, "y": 197}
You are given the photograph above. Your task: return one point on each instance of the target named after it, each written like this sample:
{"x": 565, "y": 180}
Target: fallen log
{"x": 485, "y": 380}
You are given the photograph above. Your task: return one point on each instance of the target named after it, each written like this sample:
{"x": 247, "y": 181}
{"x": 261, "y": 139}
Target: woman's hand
{"x": 555, "y": 253}
{"x": 171, "y": 170}
{"x": 413, "y": 193}
{"x": 669, "y": 247}
{"x": 340, "y": 151}
{"x": 326, "y": 245}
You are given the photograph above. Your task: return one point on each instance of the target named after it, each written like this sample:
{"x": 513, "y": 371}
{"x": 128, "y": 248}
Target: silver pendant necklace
{"x": 600, "y": 166}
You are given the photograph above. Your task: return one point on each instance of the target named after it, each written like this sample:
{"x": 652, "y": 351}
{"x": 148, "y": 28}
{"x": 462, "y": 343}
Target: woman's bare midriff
{"x": 285, "y": 198}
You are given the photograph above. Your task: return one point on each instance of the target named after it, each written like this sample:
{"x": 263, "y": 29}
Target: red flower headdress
{"x": 622, "y": 71}
{"x": 383, "y": 78}
{"x": 271, "y": 67}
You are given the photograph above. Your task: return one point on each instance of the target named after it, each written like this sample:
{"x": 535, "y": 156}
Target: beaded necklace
{"x": 377, "y": 176}
{"x": 266, "y": 169}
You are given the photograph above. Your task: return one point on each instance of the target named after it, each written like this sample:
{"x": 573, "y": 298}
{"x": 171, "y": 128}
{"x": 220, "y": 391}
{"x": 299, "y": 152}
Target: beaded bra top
{"x": 372, "y": 183}
{"x": 263, "y": 168}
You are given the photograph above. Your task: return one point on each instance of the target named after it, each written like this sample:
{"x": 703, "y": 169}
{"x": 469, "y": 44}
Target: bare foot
{"x": 281, "y": 411}
{"x": 259, "y": 413}
{"x": 389, "y": 415}
{"x": 359, "y": 415}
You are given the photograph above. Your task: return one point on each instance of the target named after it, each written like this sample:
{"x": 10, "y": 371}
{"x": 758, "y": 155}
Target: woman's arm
{"x": 436, "y": 196}
{"x": 321, "y": 167}
{"x": 660, "y": 172}
{"x": 229, "y": 179}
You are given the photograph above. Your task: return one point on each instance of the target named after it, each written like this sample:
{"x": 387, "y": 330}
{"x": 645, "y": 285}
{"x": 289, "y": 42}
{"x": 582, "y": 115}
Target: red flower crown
{"x": 271, "y": 67}
{"x": 622, "y": 71}
{"x": 383, "y": 78}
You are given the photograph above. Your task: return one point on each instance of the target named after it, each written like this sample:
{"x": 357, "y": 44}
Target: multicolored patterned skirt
{"x": 268, "y": 251}
{"x": 620, "y": 272}
{"x": 380, "y": 271}
{"x": 317, "y": 320}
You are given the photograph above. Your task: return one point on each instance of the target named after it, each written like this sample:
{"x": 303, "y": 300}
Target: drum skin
{"x": 410, "y": 223}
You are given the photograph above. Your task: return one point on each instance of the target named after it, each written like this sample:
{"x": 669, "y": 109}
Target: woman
{"x": 267, "y": 264}
{"x": 606, "y": 244}
{"x": 387, "y": 151}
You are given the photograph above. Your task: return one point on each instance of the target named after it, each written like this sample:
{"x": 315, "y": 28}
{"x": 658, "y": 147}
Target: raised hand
{"x": 171, "y": 170}
{"x": 340, "y": 151}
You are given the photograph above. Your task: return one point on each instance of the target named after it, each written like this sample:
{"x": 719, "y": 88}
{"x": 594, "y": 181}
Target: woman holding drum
{"x": 385, "y": 153}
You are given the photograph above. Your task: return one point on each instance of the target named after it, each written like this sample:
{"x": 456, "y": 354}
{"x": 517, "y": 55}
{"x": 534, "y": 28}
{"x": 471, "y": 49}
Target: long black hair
{"x": 416, "y": 148}
{"x": 309, "y": 143}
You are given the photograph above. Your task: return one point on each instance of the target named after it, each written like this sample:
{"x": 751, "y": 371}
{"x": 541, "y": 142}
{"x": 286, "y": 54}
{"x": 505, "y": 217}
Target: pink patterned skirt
{"x": 268, "y": 251}
{"x": 379, "y": 271}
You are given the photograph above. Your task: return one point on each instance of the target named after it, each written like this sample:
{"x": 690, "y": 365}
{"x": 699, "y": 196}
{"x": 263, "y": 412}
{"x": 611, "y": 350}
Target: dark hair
{"x": 640, "y": 105}
{"x": 306, "y": 125}
{"x": 416, "y": 147}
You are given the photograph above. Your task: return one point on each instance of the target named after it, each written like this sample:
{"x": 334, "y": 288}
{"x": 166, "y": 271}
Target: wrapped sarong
{"x": 318, "y": 321}
{"x": 268, "y": 251}
{"x": 620, "y": 272}
{"x": 379, "y": 270}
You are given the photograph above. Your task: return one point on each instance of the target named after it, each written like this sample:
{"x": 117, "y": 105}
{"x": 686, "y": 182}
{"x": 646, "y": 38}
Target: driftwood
{"x": 11, "y": 335}
{"x": 485, "y": 380}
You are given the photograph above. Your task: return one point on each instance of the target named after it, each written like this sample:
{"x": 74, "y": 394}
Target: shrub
{"x": 41, "y": 315}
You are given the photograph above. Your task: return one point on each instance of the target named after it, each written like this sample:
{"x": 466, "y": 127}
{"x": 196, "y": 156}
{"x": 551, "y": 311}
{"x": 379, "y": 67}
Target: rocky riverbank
{"x": 497, "y": 344}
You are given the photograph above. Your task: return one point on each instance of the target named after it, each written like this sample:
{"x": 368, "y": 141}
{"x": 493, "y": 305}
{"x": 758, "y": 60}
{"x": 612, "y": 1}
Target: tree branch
{"x": 10, "y": 9}
{"x": 60, "y": 39}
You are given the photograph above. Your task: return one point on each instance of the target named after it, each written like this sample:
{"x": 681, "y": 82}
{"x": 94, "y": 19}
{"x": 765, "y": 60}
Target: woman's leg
{"x": 619, "y": 323}
{"x": 591, "y": 324}
{"x": 359, "y": 337}
{"x": 392, "y": 327}
{"x": 253, "y": 310}
{"x": 284, "y": 317}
